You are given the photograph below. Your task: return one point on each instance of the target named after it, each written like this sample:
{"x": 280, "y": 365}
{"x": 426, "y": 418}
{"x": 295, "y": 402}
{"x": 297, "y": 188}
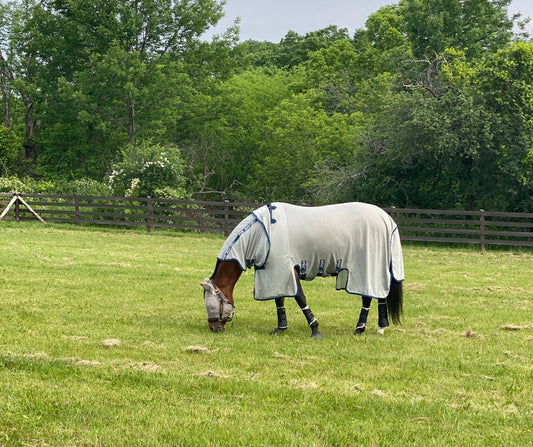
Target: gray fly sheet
{"x": 357, "y": 242}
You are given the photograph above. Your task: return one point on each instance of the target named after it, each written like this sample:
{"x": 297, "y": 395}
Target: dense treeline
{"x": 429, "y": 105}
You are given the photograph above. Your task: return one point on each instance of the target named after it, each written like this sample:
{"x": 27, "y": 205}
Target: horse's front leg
{"x": 282, "y": 316}
{"x": 311, "y": 320}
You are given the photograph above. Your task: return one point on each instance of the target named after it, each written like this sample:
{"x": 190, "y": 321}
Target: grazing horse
{"x": 357, "y": 242}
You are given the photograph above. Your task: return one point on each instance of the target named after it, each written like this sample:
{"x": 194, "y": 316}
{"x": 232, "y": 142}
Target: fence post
{"x": 482, "y": 229}
{"x": 76, "y": 210}
{"x": 226, "y": 218}
{"x": 149, "y": 214}
{"x": 17, "y": 208}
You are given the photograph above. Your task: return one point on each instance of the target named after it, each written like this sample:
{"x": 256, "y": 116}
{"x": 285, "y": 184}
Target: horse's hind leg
{"x": 311, "y": 320}
{"x": 282, "y": 316}
{"x": 361, "y": 324}
{"x": 383, "y": 320}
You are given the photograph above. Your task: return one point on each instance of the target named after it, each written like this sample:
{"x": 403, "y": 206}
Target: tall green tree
{"x": 107, "y": 73}
{"x": 503, "y": 81}
{"x": 295, "y": 48}
{"x": 474, "y": 26}
{"x": 20, "y": 68}
{"x": 225, "y": 127}
{"x": 299, "y": 144}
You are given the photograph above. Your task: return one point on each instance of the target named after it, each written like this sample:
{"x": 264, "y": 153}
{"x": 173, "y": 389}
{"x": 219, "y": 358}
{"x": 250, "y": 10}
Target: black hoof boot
{"x": 359, "y": 330}
{"x": 315, "y": 333}
{"x": 282, "y": 321}
{"x": 363, "y": 316}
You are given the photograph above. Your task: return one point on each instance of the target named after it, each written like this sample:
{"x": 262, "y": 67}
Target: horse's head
{"x": 219, "y": 308}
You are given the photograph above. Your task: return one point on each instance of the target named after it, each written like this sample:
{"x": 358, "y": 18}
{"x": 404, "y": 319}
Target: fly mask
{"x": 219, "y": 309}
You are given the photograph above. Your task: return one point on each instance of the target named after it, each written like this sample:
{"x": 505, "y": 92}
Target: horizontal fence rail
{"x": 194, "y": 215}
{"x": 441, "y": 226}
{"x": 466, "y": 227}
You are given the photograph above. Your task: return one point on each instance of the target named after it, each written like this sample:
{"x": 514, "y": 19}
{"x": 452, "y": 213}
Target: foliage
{"x": 13, "y": 184}
{"x": 11, "y": 153}
{"x": 457, "y": 372}
{"x": 419, "y": 107}
{"x": 299, "y": 139}
{"x": 81, "y": 187}
{"x": 475, "y": 26}
{"x": 146, "y": 168}
{"x": 26, "y": 185}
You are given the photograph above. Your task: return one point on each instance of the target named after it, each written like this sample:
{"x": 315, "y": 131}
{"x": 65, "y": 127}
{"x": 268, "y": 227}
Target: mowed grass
{"x": 458, "y": 371}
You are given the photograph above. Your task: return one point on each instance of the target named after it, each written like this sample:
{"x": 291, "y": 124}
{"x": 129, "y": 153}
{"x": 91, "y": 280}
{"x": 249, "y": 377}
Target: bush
{"x": 146, "y": 168}
{"x": 172, "y": 193}
{"x": 82, "y": 187}
{"x": 13, "y": 185}
{"x": 27, "y": 185}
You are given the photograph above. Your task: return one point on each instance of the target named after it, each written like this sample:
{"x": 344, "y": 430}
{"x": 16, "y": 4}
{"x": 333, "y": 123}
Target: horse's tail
{"x": 395, "y": 301}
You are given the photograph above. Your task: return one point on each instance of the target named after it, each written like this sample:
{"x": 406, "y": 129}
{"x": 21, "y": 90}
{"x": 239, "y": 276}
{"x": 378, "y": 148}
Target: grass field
{"x": 104, "y": 342}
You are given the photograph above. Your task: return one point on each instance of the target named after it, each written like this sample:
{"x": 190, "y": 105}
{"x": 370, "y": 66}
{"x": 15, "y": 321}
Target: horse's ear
{"x": 206, "y": 284}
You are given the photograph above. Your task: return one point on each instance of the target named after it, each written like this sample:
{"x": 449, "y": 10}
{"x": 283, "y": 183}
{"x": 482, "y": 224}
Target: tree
{"x": 503, "y": 81}
{"x": 299, "y": 142}
{"x": 383, "y": 43}
{"x": 105, "y": 73}
{"x": 474, "y": 26}
{"x": 19, "y": 69}
{"x": 224, "y": 128}
{"x": 11, "y": 153}
{"x": 294, "y": 48}
{"x": 468, "y": 148}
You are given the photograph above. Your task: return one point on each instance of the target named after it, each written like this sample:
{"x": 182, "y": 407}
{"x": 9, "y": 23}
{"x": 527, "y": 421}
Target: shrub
{"x": 147, "y": 168}
{"x": 82, "y": 187}
{"x": 13, "y": 184}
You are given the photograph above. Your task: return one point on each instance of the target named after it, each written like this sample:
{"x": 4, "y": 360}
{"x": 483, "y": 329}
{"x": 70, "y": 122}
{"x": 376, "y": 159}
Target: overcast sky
{"x": 272, "y": 19}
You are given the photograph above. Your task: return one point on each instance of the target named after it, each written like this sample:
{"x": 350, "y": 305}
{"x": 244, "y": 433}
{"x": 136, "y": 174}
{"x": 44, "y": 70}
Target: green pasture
{"x": 104, "y": 342}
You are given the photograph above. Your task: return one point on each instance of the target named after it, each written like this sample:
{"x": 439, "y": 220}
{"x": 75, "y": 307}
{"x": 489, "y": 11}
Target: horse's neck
{"x": 225, "y": 277}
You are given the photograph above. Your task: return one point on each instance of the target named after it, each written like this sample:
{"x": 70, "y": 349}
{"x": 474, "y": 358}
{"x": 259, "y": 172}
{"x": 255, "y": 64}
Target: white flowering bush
{"x": 26, "y": 185}
{"x": 146, "y": 168}
{"x": 12, "y": 185}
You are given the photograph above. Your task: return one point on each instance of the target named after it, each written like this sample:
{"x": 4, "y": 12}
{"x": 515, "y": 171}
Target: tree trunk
{"x": 6, "y": 76}
{"x": 131, "y": 129}
{"x": 29, "y": 143}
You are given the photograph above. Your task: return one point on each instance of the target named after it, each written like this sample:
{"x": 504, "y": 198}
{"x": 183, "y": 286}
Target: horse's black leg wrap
{"x": 383, "y": 319}
{"x": 311, "y": 320}
{"x": 363, "y": 316}
{"x": 282, "y": 316}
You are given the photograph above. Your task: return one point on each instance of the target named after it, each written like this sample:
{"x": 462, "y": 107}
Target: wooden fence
{"x": 441, "y": 226}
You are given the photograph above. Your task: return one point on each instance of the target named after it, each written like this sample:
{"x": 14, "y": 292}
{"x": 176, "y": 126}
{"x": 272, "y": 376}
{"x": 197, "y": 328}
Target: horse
{"x": 358, "y": 243}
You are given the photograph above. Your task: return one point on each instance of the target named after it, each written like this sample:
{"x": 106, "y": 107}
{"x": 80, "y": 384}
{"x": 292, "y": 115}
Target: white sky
{"x": 271, "y": 19}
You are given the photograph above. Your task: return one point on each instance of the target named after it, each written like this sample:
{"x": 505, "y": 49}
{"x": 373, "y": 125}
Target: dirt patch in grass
{"x": 517, "y": 327}
{"x": 212, "y": 374}
{"x": 198, "y": 349}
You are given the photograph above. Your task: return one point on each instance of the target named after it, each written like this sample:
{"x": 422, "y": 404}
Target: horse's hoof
{"x": 381, "y": 330}
{"x": 317, "y": 335}
{"x": 359, "y": 330}
{"x": 278, "y": 330}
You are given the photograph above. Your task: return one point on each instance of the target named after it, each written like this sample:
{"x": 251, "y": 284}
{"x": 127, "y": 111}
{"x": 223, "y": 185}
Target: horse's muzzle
{"x": 217, "y": 326}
